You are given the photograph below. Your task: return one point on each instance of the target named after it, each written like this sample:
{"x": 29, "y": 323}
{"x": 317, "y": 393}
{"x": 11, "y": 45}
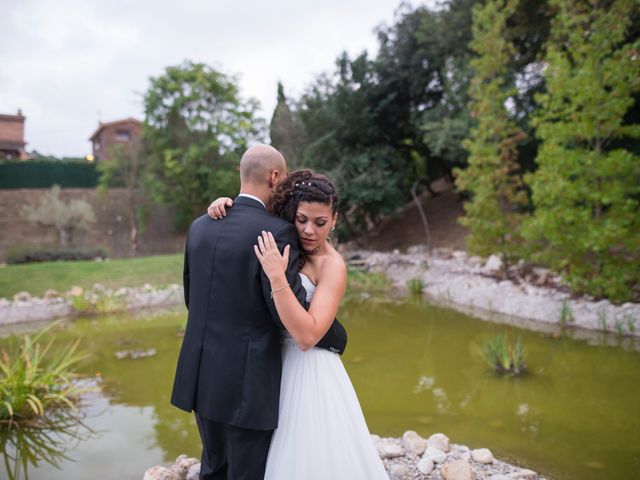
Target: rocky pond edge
{"x": 532, "y": 297}
{"x": 410, "y": 457}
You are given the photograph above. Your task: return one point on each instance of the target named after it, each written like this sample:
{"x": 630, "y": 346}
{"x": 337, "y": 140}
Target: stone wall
{"x": 110, "y": 231}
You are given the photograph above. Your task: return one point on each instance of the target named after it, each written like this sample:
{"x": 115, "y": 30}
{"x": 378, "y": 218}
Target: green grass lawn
{"x": 36, "y": 278}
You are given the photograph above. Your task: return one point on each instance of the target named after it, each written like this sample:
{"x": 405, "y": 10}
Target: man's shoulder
{"x": 201, "y": 221}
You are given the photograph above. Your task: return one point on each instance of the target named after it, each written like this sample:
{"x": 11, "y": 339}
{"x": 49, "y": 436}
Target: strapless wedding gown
{"x": 321, "y": 434}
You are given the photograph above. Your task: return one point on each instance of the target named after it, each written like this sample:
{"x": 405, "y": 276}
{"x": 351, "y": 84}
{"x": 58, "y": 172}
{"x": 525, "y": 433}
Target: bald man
{"x": 229, "y": 366}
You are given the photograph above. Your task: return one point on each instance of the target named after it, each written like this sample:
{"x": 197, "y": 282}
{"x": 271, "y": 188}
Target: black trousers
{"x": 232, "y": 453}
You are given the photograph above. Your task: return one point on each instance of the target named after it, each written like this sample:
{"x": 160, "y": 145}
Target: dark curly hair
{"x": 303, "y": 186}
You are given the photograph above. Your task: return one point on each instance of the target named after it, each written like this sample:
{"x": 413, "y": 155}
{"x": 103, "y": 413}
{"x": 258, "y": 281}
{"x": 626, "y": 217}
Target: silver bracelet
{"x": 278, "y": 289}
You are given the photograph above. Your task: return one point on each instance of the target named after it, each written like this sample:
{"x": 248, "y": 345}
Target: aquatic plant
{"x": 566, "y": 315}
{"x": 368, "y": 283}
{"x": 415, "y": 286}
{"x": 619, "y": 327}
{"x": 504, "y": 357}
{"x": 631, "y": 323}
{"x": 35, "y": 381}
{"x": 602, "y": 320}
{"x": 99, "y": 300}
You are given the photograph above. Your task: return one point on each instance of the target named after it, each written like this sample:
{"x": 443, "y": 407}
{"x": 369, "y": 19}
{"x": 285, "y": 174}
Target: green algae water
{"x": 574, "y": 415}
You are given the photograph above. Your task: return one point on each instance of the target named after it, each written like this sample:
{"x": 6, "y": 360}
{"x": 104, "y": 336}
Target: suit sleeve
{"x": 185, "y": 274}
{"x": 286, "y": 236}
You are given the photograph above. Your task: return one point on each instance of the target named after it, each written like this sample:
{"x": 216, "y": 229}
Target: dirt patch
{"x": 405, "y": 228}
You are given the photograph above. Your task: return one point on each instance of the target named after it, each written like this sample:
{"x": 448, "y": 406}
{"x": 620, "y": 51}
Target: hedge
{"x": 44, "y": 174}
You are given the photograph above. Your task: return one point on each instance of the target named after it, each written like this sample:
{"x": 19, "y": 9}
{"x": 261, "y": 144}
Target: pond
{"x": 417, "y": 366}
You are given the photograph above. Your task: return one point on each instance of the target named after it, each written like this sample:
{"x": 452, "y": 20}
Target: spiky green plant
{"x": 502, "y": 357}
{"x": 602, "y": 321}
{"x": 619, "y": 328}
{"x": 34, "y": 380}
{"x": 415, "y": 286}
{"x": 566, "y": 315}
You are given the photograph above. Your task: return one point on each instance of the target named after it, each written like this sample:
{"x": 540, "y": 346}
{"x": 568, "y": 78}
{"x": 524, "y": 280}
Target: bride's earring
{"x": 333, "y": 228}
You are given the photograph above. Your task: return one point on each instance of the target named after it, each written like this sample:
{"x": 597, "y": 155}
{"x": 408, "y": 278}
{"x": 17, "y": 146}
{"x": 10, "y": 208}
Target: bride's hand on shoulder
{"x": 273, "y": 263}
{"x": 218, "y": 208}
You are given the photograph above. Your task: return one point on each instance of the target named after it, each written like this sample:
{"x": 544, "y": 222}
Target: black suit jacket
{"x": 230, "y": 362}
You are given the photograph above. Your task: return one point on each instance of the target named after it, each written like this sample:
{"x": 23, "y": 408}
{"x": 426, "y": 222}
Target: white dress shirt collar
{"x": 248, "y": 195}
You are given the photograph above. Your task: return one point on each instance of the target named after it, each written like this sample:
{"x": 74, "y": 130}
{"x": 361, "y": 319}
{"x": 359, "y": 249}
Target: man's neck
{"x": 263, "y": 196}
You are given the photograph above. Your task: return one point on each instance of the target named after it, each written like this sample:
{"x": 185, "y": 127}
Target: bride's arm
{"x": 306, "y": 327}
{"x": 217, "y": 209}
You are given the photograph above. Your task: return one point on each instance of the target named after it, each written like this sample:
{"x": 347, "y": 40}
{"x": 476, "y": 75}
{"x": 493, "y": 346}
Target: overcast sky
{"x": 70, "y": 63}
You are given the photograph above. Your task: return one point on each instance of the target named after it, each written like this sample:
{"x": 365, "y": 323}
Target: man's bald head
{"x": 258, "y": 163}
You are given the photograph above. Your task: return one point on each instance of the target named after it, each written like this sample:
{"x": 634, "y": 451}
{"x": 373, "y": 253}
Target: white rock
{"x": 425, "y": 465}
{"x": 482, "y": 455}
{"x": 493, "y": 263}
{"x": 194, "y": 472}
{"x": 22, "y": 297}
{"x": 435, "y": 455}
{"x": 499, "y": 477}
{"x": 458, "y": 470}
{"x": 390, "y": 451}
{"x": 414, "y": 442}
{"x": 183, "y": 464}
{"x": 524, "y": 474}
{"x": 439, "y": 441}
{"x": 398, "y": 471}
{"x": 160, "y": 473}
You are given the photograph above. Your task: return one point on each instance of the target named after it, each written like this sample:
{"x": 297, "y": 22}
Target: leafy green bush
{"x": 32, "y": 254}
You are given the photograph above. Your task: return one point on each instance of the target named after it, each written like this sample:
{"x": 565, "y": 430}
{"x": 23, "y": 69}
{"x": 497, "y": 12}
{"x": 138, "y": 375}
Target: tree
{"x": 586, "y": 190}
{"x": 345, "y": 142}
{"x": 286, "y": 131}
{"x": 495, "y": 211}
{"x": 66, "y": 217}
{"x": 123, "y": 169}
{"x": 196, "y": 128}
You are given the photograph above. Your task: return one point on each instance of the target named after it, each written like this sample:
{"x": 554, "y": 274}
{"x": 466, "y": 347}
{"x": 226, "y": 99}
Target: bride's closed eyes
{"x": 321, "y": 221}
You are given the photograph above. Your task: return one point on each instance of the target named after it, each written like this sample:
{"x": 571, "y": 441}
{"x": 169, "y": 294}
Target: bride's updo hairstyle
{"x": 303, "y": 186}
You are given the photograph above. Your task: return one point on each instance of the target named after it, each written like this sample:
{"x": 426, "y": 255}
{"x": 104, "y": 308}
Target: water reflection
{"x": 414, "y": 366}
{"x": 27, "y": 446}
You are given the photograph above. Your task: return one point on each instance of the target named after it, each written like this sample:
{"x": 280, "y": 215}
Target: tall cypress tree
{"x": 286, "y": 131}
{"x": 495, "y": 210}
{"x": 586, "y": 190}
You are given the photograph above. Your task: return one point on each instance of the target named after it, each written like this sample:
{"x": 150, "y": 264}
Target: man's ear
{"x": 274, "y": 176}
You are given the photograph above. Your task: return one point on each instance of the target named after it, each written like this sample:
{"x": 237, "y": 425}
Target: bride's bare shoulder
{"x": 333, "y": 266}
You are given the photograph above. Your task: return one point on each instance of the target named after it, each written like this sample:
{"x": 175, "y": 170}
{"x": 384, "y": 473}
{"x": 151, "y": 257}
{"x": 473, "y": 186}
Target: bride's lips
{"x": 307, "y": 240}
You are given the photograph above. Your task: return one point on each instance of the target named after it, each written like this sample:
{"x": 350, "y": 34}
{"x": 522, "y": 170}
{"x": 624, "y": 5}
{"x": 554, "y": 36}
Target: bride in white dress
{"x": 322, "y": 433}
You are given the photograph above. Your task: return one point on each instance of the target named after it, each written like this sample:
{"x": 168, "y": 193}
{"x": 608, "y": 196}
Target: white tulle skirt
{"x": 321, "y": 434}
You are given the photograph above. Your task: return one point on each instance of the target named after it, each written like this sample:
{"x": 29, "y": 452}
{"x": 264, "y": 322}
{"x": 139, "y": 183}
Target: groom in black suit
{"x": 229, "y": 367}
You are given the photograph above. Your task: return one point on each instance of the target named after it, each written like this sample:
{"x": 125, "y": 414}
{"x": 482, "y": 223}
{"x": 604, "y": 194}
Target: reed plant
{"x": 602, "y": 321}
{"x": 361, "y": 283}
{"x": 415, "y": 286}
{"x": 35, "y": 380}
{"x": 503, "y": 357}
{"x": 566, "y": 315}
